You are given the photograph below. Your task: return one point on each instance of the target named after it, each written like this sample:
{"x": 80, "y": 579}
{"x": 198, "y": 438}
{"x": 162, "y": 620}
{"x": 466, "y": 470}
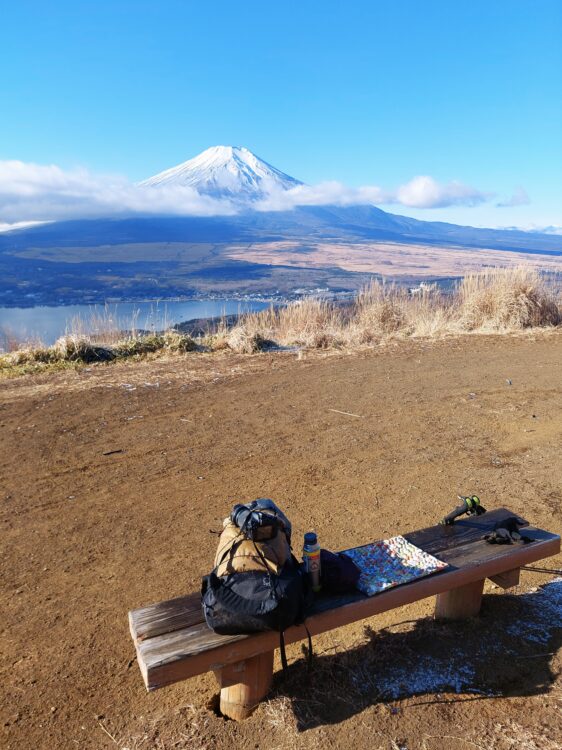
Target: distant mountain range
{"x": 252, "y": 251}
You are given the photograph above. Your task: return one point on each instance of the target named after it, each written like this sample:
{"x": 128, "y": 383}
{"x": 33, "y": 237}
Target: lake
{"x": 47, "y": 324}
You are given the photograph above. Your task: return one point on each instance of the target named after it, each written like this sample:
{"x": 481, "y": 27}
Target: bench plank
{"x": 171, "y": 656}
{"x": 165, "y": 617}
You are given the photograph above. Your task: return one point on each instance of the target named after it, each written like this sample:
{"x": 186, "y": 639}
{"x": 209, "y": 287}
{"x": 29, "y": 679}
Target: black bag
{"x": 253, "y": 601}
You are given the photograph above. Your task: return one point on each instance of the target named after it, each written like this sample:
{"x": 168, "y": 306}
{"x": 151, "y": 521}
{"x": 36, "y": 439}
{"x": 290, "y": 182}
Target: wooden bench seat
{"x": 174, "y": 643}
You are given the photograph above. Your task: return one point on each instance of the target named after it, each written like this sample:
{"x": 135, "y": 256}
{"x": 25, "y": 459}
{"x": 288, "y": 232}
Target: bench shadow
{"x": 506, "y": 650}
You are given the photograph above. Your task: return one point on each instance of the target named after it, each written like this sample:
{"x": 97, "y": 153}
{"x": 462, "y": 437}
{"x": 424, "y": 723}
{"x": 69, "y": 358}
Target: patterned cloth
{"x": 391, "y": 562}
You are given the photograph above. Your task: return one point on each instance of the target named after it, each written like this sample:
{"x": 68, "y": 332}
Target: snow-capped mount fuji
{"x": 231, "y": 172}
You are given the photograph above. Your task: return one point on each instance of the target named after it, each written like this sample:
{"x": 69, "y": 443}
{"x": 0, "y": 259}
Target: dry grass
{"x": 497, "y": 300}
{"x": 505, "y": 300}
{"x": 309, "y": 323}
{"x": 72, "y": 350}
{"x": 243, "y": 340}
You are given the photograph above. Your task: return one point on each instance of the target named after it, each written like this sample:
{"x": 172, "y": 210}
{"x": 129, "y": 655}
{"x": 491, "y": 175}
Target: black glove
{"x": 506, "y": 532}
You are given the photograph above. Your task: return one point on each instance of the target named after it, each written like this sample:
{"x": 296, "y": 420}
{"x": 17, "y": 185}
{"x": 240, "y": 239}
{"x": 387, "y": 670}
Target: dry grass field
{"x": 136, "y": 270}
{"x": 389, "y": 259}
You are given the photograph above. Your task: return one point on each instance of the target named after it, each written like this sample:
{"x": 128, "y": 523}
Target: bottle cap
{"x": 310, "y": 537}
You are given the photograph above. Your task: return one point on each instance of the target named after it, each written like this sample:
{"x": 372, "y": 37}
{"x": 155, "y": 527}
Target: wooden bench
{"x": 173, "y": 642}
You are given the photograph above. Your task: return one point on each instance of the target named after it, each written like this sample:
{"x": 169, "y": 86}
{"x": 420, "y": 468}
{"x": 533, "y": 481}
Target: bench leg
{"x": 244, "y": 684}
{"x": 459, "y": 603}
{"x": 508, "y": 579}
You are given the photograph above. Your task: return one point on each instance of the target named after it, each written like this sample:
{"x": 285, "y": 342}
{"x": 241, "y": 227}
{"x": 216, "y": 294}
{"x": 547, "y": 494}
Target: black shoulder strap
{"x": 284, "y": 663}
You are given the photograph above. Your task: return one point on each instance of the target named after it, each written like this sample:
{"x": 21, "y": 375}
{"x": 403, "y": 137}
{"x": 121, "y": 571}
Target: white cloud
{"x": 550, "y": 229}
{"x": 520, "y": 197}
{"x": 420, "y": 192}
{"x": 323, "y": 194}
{"x": 425, "y": 192}
{"x": 35, "y": 192}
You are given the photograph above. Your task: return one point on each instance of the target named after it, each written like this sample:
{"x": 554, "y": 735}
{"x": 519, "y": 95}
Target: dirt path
{"x": 88, "y": 536}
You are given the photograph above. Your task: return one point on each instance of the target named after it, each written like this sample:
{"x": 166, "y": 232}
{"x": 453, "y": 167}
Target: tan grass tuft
{"x": 311, "y": 323}
{"x": 242, "y": 340}
{"x": 508, "y": 299}
{"x": 79, "y": 349}
{"x": 179, "y": 342}
{"x": 379, "y": 310}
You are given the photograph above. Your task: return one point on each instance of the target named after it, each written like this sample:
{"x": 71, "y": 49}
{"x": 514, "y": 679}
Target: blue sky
{"x": 366, "y": 93}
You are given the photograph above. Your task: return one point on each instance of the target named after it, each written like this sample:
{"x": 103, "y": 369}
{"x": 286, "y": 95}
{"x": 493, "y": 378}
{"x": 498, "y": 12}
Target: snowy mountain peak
{"x": 226, "y": 172}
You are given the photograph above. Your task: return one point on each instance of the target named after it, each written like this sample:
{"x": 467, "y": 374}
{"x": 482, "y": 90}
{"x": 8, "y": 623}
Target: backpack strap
{"x": 264, "y": 561}
{"x": 284, "y": 663}
{"x": 236, "y": 542}
{"x": 310, "y": 651}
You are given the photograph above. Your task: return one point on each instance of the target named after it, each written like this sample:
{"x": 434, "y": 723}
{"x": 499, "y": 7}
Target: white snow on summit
{"x": 226, "y": 172}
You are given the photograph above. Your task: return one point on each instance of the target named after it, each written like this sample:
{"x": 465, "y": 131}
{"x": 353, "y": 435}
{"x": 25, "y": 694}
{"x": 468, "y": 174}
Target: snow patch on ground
{"x": 544, "y": 615}
{"x": 456, "y": 671}
{"x": 429, "y": 675}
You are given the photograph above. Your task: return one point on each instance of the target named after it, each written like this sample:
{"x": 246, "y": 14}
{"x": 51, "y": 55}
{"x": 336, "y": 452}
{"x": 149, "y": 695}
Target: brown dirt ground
{"x": 86, "y": 537}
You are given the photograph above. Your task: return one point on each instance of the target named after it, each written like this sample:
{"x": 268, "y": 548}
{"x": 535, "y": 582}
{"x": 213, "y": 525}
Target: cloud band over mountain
{"x": 31, "y": 192}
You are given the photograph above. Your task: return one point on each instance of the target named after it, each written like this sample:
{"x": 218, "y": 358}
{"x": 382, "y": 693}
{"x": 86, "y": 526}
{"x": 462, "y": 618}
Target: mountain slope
{"x": 226, "y": 172}
{"x": 306, "y": 223}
